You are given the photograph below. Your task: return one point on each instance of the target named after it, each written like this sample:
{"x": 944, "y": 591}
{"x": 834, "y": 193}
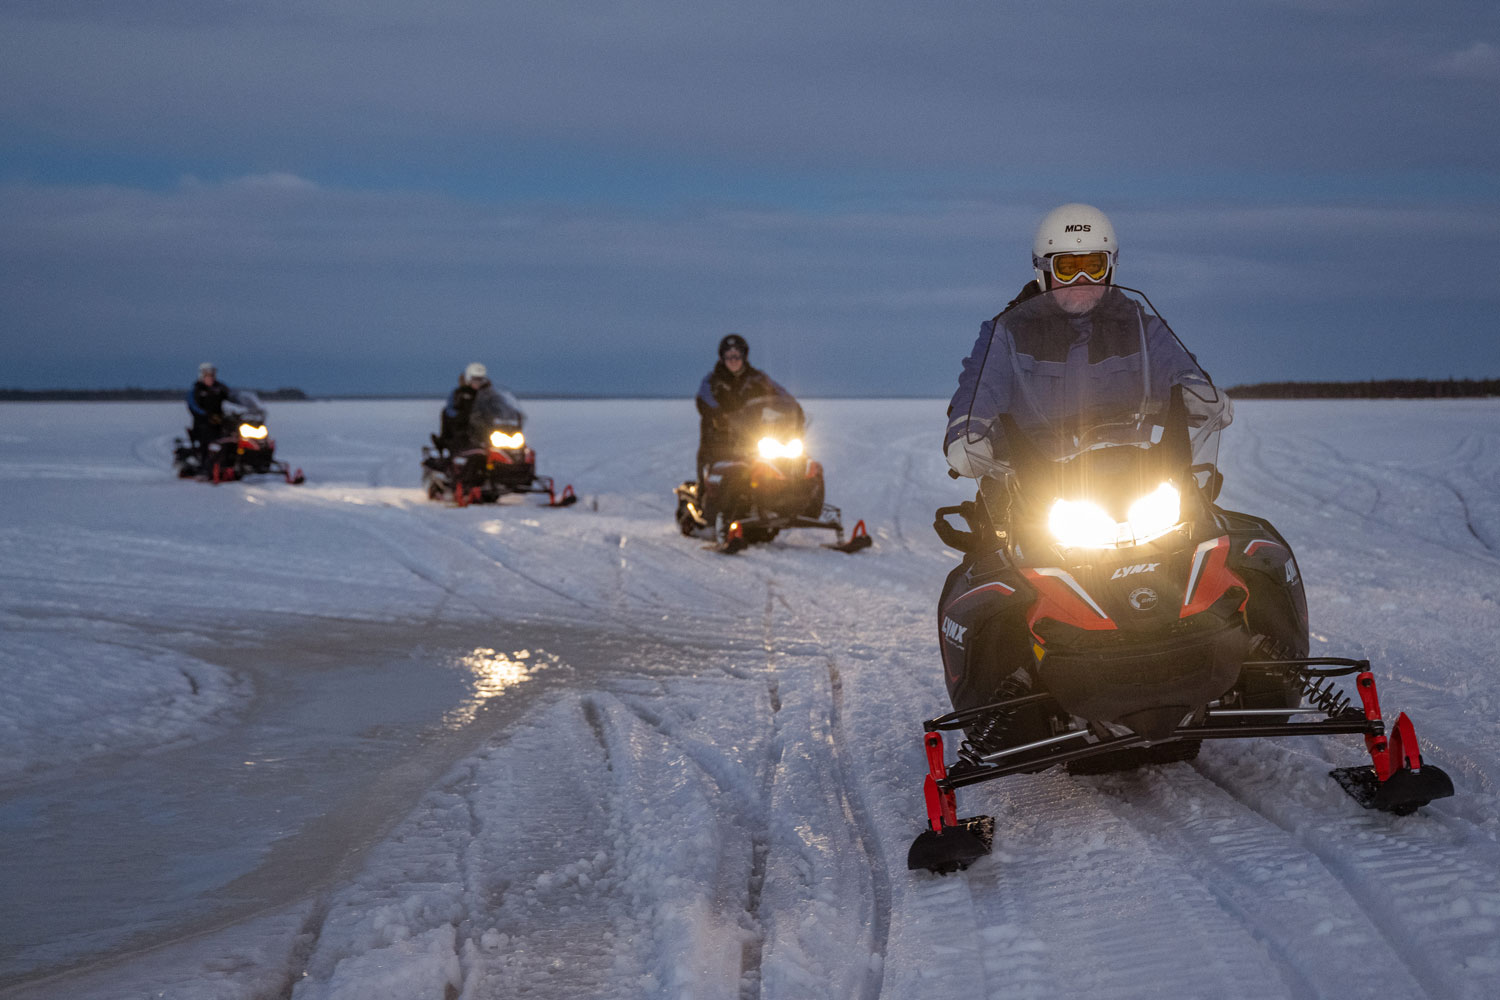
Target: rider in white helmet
{"x": 1074, "y": 245}
{"x": 472, "y": 406}
{"x": 1074, "y": 254}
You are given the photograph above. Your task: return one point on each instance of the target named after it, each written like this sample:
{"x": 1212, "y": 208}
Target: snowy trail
{"x": 710, "y": 790}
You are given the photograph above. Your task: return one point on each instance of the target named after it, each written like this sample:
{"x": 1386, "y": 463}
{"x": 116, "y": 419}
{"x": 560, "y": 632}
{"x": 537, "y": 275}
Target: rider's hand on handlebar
{"x": 962, "y": 453}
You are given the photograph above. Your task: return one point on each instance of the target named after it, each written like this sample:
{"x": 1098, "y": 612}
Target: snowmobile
{"x": 1108, "y": 613}
{"x": 768, "y": 486}
{"x": 245, "y": 449}
{"x": 485, "y": 471}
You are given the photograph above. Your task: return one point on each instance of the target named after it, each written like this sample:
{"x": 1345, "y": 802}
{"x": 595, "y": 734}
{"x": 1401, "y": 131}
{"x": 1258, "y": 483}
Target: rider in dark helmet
{"x": 724, "y": 390}
{"x": 453, "y": 429}
{"x": 205, "y": 401}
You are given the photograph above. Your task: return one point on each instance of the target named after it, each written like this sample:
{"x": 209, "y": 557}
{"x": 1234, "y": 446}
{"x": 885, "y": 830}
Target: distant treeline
{"x": 126, "y": 395}
{"x": 1391, "y": 388}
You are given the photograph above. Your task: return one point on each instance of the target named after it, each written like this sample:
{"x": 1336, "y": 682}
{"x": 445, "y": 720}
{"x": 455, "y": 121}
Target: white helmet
{"x": 1073, "y": 228}
{"x": 207, "y": 368}
{"x": 476, "y": 371}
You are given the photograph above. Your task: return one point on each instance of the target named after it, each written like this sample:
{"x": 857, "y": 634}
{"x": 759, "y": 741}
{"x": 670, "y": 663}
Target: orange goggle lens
{"x": 1068, "y": 266}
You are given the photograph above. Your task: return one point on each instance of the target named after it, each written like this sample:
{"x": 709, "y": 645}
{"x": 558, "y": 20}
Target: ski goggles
{"x": 1067, "y": 268}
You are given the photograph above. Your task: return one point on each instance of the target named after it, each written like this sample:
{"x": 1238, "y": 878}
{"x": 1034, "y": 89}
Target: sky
{"x": 362, "y": 197}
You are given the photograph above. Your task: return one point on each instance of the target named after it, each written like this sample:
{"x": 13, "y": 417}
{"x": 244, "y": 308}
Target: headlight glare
{"x": 1156, "y": 513}
{"x": 253, "y": 432}
{"x": 1081, "y": 524}
{"x": 769, "y": 447}
{"x": 500, "y": 439}
{"x": 1084, "y": 524}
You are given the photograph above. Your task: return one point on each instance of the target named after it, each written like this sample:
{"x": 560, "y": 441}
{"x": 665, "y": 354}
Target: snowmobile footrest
{"x": 955, "y": 848}
{"x": 1403, "y": 792}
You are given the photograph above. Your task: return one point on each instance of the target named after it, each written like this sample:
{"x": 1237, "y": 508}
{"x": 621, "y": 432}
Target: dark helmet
{"x": 736, "y": 342}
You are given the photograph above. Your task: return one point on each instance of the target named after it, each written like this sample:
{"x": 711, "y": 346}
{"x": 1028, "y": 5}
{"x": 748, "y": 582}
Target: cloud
{"x": 274, "y": 181}
{"x": 446, "y": 86}
{"x": 338, "y": 289}
{"x": 1480, "y": 61}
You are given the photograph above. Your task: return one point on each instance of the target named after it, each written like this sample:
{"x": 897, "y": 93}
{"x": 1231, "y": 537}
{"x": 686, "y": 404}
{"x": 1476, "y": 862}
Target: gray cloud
{"x": 1480, "y": 61}
{"x": 285, "y": 86}
{"x": 357, "y": 196}
{"x": 335, "y": 290}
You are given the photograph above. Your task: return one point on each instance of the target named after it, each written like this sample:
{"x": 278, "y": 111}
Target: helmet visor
{"x": 1066, "y": 267}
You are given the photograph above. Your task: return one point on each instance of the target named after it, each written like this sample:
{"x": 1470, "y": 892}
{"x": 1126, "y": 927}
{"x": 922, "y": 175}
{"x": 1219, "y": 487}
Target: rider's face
{"x": 1079, "y": 297}
{"x": 734, "y": 361}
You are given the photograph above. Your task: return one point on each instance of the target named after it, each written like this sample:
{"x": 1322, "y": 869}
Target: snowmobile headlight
{"x": 1155, "y": 514}
{"x": 500, "y": 439}
{"x": 253, "y": 431}
{"x": 1084, "y": 524}
{"x": 769, "y": 447}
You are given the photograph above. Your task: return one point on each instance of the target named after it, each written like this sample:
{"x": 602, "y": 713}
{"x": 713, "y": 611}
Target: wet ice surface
{"x": 336, "y": 729}
{"x": 266, "y": 741}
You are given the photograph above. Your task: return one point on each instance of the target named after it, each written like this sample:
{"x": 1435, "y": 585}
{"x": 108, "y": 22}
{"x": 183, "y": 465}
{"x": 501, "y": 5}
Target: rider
{"x": 454, "y": 427}
{"x": 205, "y": 401}
{"x": 1078, "y": 344}
{"x": 1068, "y": 345}
{"x": 489, "y": 405}
{"x": 722, "y": 393}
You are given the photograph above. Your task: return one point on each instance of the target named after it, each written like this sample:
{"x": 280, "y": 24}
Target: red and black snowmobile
{"x": 768, "y": 486}
{"x": 1107, "y": 612}
{"x": 485, "y": 471}
{"x": 246, "y": 447}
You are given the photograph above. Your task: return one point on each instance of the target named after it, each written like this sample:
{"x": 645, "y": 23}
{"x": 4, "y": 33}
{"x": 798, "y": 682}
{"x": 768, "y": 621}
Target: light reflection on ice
{"x": 493, "y": 673}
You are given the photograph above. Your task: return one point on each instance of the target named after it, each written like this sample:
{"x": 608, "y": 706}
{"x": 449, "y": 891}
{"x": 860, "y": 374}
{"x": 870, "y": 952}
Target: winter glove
{"x": 963, "y": 450}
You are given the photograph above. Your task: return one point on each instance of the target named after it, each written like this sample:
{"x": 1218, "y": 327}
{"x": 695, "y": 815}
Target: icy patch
{"x": 71, "y": 697}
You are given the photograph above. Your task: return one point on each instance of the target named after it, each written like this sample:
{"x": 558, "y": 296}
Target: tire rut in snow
{"x": 1075, "y": 901}
{"x": 1283, "y": 895}
{"x": 1430, "y": 882}
{"x": 853, "y": 805}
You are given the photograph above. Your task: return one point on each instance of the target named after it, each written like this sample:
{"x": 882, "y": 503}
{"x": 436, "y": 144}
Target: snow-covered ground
{"x": 335, "y": 741}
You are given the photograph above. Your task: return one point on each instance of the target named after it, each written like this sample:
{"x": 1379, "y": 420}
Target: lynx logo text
{"x": 1125, "y": 571}
{"x": 953, "y": 631}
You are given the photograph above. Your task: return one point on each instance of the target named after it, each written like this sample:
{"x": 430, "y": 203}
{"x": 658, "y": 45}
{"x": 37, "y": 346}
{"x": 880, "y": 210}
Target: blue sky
{"x": 363, "y": 197}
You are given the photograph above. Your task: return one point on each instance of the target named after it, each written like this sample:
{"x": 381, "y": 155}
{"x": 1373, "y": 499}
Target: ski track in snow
{"x": 721, "y": 806}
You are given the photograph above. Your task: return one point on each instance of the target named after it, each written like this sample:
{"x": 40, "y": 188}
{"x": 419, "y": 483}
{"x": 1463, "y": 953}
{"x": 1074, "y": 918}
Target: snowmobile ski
{"x": 1397, "y": 781}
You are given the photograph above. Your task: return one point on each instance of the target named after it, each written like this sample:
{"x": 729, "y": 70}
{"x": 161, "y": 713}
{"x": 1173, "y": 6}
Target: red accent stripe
{"x": 997, "y": 587}
{"x": 1057, "y": 600}
{"x": 1212, "y": 581}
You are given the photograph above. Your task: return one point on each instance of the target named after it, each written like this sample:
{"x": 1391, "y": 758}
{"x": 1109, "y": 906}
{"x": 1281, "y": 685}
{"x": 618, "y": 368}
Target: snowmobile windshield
{"x": 496, "y": 407}
{"x": 777, "y": 418}
{"x": 1081, "y": 368}
{"x": 247, "y": 406}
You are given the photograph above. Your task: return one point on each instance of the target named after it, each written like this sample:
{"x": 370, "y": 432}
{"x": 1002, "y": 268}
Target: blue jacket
{"x": 1043, "y": 366}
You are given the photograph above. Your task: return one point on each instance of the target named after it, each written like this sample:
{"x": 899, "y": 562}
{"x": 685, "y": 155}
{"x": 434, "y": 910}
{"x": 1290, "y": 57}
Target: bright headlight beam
{"x": 500, "y": 439}
{"x": 253, "y": 431}
{"x": 1083, "y": 524}
{"x": 769, "y": 447}
{"x": 1156, "y": 513}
